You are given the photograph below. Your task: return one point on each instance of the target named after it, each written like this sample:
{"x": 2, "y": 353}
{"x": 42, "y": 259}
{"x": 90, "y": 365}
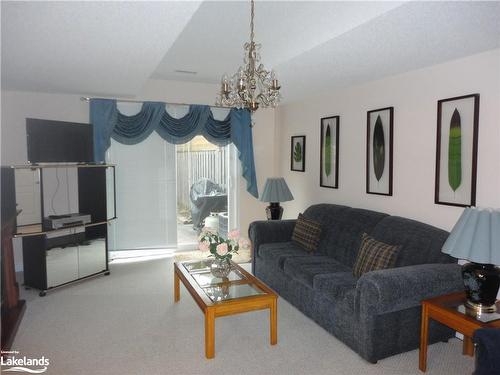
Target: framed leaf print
{"x": 298, "y": 153}
{"x": 456, "y": 150}
{"x": 329, "y": 152}
{"x": 379, "y": 134}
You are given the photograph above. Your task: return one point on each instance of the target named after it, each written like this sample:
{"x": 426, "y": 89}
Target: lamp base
{"x": 274, "y": 211}
{"x": 481, "y": 283}
{"x": 478, "y": 309}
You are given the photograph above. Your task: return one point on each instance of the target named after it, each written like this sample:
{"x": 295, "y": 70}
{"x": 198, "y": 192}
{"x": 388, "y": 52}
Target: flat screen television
{"x": 57, "y": 141}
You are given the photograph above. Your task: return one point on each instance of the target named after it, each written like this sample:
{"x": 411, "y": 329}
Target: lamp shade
{"x": 476, "y": 236}
{"x": 276, "y": 190}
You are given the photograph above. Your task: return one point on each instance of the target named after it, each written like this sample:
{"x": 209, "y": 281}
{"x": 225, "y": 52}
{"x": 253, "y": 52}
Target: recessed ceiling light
{"x": 185, "y": 71}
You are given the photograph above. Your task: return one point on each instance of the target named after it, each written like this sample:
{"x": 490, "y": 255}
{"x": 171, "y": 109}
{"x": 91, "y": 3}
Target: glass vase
{"x": 220, "y": 268}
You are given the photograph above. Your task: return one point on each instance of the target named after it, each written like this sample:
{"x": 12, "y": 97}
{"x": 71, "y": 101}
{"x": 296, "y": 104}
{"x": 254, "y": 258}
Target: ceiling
{"x": 113, "y": 48}
{"x": 99, "y": 48}
{"x": 212, "y": 43}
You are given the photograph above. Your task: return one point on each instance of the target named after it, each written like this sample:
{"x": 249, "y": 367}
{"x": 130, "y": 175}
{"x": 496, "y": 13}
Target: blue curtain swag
{"x": 236, "y": 128}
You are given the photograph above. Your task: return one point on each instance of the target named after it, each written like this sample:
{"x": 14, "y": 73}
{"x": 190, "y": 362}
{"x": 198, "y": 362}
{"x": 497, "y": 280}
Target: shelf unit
{"x": 56, "y": 257}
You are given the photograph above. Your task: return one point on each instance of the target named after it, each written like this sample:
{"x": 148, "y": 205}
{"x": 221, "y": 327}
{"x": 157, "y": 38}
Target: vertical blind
{"x": 145, "y": 192}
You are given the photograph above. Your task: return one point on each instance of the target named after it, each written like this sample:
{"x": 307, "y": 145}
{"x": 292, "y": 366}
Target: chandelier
{"x": 252, "y": 86}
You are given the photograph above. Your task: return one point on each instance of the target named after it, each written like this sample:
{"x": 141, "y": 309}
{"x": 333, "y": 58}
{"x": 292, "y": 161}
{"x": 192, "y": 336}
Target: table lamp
{"x": 476, "y": 237}
{"x": 275, "y": 191}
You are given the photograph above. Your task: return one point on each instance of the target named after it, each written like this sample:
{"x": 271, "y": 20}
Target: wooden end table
{"x": 449, "y": 310}
{"x": 238, "y": 293}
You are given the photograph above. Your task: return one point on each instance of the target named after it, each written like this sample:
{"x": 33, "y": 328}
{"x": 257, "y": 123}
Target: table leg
{"x": 209, "y": 333}
{"x": 424, "y": 332}
{"x": 468, "y": 346}
{"x": 177, "y": 291}
{"x": 273, "y": 321}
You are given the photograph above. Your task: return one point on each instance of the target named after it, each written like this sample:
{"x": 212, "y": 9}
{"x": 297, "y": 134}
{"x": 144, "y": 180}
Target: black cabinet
{"x": 56, "y": 255}
{"x": 47, "y": 266}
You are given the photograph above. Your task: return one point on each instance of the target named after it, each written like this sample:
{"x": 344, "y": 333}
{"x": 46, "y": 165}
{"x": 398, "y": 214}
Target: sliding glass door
{"x": 159, "y": 203}
{"x": 202, "y": 189}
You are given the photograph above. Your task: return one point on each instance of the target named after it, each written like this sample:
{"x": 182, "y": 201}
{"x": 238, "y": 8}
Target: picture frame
{"x": 456, "y": 150}
{"x": 329, "y": 152}
{"x": 379, "y": 151}
{"x": 298, "y": 153}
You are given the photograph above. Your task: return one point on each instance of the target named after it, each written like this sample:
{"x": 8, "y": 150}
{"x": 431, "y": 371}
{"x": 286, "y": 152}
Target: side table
{"x": 449, "y": 310}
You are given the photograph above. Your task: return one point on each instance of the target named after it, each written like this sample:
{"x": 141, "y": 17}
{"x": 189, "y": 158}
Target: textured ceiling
{"x": 107, "y": 48}
{"x": 412, "y": 36}
{"x": 112, "y": 48}
{"x": 212, "y": 43}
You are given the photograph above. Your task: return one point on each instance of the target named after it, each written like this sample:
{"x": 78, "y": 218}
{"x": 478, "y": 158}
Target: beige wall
{"x": 414, "y": 97}
{"x": 16, "y": 106}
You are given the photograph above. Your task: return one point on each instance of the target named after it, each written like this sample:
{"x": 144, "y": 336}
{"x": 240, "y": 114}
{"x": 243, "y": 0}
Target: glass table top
{"x": 206, "y": 278}
{"x": 458, "y": 304}
{"x": 234, "y": 286}
{"x": 198, "y": 265}
{"x": 225, "y": 292}
{"x": 484, "y": 317}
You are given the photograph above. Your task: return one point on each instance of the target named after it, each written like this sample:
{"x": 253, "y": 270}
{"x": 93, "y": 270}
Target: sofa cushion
{"x": 420, "y": 243}
{"x": 374, "y": 255}
{"x": 305, "y": 269}
{"x": 275, "y": 253}
{"x": 334, "y": 285}
{"x": 306, "y": 233}
{"x": 341, "y": 229}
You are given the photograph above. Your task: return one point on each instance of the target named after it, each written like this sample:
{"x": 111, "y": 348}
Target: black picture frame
{"x": 380, "y": 167}
{"x": 468, "y": 127}
{"x": 298, "y": 165}
{"x": 329, "y": 180}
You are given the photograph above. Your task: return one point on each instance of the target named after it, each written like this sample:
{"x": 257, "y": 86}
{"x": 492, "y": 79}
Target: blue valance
{"x": 109, "y": 123}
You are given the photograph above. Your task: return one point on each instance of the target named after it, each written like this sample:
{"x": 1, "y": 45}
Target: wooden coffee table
{"x": 449, "y": 310}
{"x": 238, "y": 293}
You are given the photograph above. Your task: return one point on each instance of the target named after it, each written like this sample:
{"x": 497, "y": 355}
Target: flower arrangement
{"x": 220, "y": 248}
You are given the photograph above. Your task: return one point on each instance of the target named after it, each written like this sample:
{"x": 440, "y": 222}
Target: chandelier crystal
{"x": 252, "y": 86}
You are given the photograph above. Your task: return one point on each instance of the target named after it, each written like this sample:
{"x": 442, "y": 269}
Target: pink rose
{"x": 222, "y": 249}
{"x": 243, "y": 243}
{"x": 204, "y": 246}
{"x": 234, "y": 234}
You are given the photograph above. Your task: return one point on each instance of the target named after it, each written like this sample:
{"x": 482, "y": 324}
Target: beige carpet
{"x": 243, "y": 256}
{"x": 127, "y": 323}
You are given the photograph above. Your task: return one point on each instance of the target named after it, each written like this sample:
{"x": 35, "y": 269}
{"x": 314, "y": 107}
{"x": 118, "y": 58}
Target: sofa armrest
{"x": 260, "y": 232}
{"x": 384, "y": 291}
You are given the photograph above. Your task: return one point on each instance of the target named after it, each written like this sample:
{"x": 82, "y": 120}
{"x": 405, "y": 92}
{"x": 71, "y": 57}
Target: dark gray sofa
{"x": 377, "y": 315}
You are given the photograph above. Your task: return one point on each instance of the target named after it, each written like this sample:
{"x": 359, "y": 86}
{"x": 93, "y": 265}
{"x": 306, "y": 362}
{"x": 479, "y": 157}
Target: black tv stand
{"x": 53, "y": 258}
